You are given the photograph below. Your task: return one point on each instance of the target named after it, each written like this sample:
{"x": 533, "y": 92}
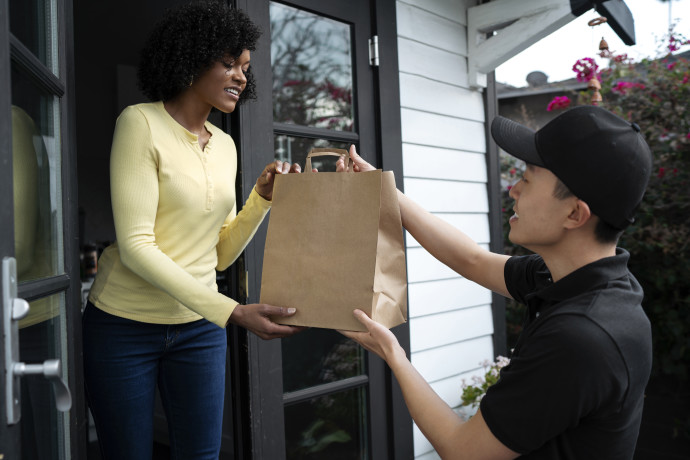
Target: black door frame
{"x": 253, "y": 131}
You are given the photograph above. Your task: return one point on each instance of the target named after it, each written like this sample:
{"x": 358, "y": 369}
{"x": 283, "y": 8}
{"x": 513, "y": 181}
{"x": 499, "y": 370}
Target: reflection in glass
{"x": 318, "y": 356}
{"x": 331, "y": 427}
{"x": 36, "y": 180}
{"x": 295, "y": 149}
{"x": 312, "y": 69}
{"x": 43, "y": 427}
{"x": 34, "y": 23}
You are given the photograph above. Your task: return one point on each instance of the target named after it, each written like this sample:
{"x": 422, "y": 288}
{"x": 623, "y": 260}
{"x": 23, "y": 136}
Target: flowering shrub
{"x": 655, "y": 94}
{"x": 473, "y": 393}
{"x": 558, "y": 102}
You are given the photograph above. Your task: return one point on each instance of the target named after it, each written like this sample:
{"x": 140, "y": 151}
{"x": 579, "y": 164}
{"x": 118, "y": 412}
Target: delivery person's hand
{"x": 256, "y": 318}
{"x": 378, "y": 338}
{"x": 264, "y": 184}
{"x": 359, "y": 165}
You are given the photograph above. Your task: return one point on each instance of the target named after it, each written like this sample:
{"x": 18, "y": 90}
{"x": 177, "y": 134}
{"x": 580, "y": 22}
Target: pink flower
{"x": 674, "y": 44}
{"x": 558, "y": 102}
{"x": 585, "y": 69}
{"x": 685, "y": 79}
{"x": 512, "y": 170}
{"x": 662, "y": 173}
{"x": 687, "y": 136}
{"x": 509, "y": 187}
{"x": 623, "y": 86}
{"x": 671, "y": 65}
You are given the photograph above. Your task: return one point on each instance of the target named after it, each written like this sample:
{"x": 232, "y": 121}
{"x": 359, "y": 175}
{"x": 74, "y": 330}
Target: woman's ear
{"x": 579, "y": 215}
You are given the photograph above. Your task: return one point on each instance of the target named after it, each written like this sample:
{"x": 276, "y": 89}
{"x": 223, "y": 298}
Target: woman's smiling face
{"x": 221, "y": 85}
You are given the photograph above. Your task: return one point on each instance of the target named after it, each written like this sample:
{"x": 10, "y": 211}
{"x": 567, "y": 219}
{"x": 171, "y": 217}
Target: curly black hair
{"x": 188, "y": 41}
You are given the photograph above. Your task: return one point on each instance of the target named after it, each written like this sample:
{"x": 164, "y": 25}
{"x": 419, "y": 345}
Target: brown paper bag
{"x": 335, "y": 243}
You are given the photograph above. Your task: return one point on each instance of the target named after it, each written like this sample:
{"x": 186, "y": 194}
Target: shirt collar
{"x": 584, "y": 279}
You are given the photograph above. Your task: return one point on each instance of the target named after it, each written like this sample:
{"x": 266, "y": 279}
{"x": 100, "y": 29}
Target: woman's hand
{"x": 359, "y": 165}
{"x": 378, "y": 339}
{"x": 256, "y": 318}
{"x": 264, "y": 184}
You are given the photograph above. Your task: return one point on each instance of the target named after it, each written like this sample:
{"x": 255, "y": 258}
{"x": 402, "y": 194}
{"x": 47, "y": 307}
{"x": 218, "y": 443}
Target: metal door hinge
{"x": 374, "y": 51}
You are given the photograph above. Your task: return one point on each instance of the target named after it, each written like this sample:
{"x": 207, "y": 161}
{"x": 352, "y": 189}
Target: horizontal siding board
{"x": 434, "y": 331}
{"x": 434, "y": 297}
{"x": 444, "y": 170}
{"x": 453, "y": 359}
{"x": 427, "y": 455}
{"x": 437, "y": 163}
{"x": 438, "y": 31}
{"x": 447, "y": 196}
{"x": 420, "y": 93}
{"x": 476, "y": 226}
{"x": 454, "y": 10}
{"x": 421, "y": 443}
{"x": 450, "y": 390}
{"x": 422, "y": 266}
{"x": 423, "y": 128}
{"x": 429, "y": 62}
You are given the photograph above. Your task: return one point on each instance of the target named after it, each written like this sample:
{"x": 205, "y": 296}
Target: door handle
{"x": 15, "y": 309}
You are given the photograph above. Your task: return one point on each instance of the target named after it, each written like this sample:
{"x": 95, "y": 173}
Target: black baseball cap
{"x": 600, "y": 157}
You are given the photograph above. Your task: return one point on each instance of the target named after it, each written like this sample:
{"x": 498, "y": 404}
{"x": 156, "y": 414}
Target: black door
{"x": 317, "y": 394}
{"x": 40, "y": 261}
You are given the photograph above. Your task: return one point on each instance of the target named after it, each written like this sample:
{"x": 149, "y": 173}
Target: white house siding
{"x": 444, "y": 169}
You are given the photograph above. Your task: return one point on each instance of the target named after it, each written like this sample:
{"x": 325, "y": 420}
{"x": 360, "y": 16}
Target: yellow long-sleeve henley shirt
{"x": 176, "y": 221}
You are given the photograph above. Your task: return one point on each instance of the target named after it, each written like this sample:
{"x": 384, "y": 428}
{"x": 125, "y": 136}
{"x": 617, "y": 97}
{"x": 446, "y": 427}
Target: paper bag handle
{"x": 320, "y": 152}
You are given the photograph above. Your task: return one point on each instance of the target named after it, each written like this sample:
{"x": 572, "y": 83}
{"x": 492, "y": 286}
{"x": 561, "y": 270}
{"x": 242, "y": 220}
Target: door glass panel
{"x": 318, "y": 356}
{"x": 295, "y": 149}
{"x": 36, "y": 174}
{"x": 34, "y": 23}
{"x": 332, "y": 427}
{"x": 44, "y": 429}
{"x": 311, "y": 59}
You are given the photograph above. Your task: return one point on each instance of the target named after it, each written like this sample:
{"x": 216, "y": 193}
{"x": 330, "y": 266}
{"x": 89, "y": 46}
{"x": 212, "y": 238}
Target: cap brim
{"x": 516, "y": 139}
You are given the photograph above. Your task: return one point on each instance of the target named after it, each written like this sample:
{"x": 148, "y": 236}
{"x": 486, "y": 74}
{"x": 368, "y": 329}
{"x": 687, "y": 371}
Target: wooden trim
{"x": 493, "y": 167}
{"x": 389, "y": 128}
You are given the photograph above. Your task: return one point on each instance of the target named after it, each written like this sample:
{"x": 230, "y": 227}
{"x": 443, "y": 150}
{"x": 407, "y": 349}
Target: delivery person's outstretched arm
{"x": 451, "y": 437}
{"x": 445, "y": 242}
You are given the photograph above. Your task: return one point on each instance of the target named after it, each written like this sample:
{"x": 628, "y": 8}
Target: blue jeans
{"x": 124, "y": 360}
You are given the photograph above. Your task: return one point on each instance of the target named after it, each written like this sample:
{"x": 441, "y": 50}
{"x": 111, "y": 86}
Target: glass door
{"x": 317, "y": 395}
{"x": 36, "y": 231}
{"x": 325, "y": 378}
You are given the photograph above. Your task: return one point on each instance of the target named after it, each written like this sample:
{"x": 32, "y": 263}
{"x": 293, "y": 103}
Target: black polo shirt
{"x": 575, "y": 384}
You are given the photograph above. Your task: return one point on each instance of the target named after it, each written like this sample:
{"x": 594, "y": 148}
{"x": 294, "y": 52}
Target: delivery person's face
{"x": 539, "y": 216}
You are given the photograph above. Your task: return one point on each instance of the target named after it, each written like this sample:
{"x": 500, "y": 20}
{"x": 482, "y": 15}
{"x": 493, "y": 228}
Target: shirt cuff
{"x": 261, "y": 201}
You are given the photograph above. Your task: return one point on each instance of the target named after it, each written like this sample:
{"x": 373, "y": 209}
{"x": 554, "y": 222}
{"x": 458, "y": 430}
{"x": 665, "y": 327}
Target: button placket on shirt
{"x": 204, "y": 157}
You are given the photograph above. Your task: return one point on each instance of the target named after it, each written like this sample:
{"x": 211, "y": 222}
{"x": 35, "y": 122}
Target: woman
{"x": 154, "y": 315}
